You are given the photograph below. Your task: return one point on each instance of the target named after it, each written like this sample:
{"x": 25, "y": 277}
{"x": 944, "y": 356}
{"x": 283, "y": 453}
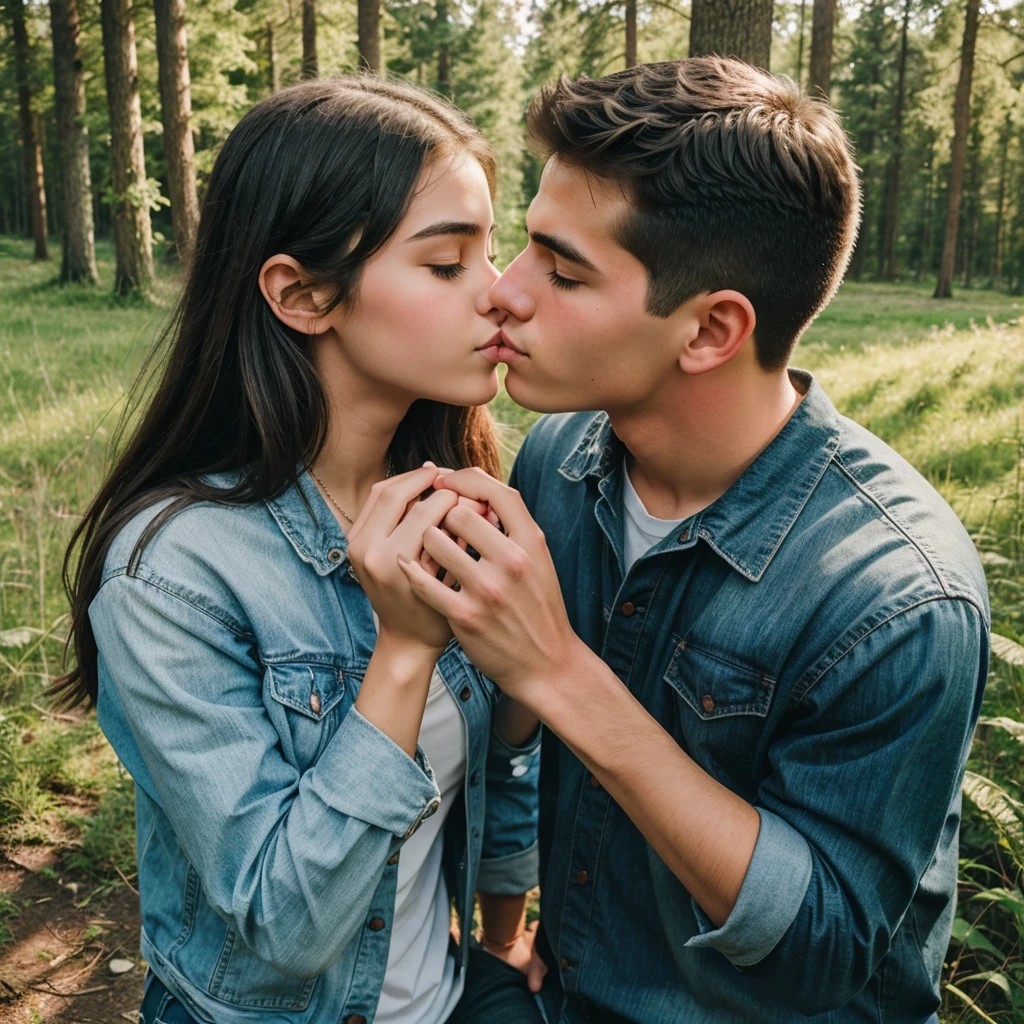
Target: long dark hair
{"x": 303, "y": 173}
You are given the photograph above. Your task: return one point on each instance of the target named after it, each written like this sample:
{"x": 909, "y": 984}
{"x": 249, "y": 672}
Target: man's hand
{"x": 508, "y": 613}
{"x": 523, "y": 956}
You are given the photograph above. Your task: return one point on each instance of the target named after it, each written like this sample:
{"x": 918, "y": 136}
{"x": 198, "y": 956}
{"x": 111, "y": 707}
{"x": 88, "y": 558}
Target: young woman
{"x": 317, "y": 775}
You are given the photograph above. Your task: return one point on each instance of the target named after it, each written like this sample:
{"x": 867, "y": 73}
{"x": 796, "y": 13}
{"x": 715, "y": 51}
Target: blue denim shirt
{"x": 817, "y": 641}
{"x": 270, "y": 813}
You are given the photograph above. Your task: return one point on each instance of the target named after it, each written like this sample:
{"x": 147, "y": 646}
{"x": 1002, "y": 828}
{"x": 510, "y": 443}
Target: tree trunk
{"x": 273, "y": 63}
{"x": 79, "y": 247}
{"x": 176, "y": 114}
{"x": 800, "y": 45}
{"x": 961, "y": 119}
{"x": 133, "y": 238}
{"x": 1004, "y": 150}
{"x": 892, "y": 184}
{"x": 822, "y": 22}
{"x": 368, "y": 18}
{"x": 310, "y": 64}
{"x": 732, "y": 28}
{"x": 631, "y": 60}
{"x": 444, "y": 63}
{"x": 31, "y": 143}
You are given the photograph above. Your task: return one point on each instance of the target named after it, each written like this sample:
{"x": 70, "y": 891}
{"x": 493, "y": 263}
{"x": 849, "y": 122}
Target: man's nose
{"x": 511, "y": 293}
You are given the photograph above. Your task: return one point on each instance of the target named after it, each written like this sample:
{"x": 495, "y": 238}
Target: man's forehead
{"x": 568, "y": 185}
{"x": 578, "y": 206}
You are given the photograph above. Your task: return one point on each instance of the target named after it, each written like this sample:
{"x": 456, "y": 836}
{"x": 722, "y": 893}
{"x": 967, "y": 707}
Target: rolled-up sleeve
{"x": 290, "y": 860}
{"x": 510, "y": 860}
{"x": 864, "y": 783}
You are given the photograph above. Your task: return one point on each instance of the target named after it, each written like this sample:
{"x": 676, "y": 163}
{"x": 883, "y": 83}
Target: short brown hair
{"x": 736, "y": 181}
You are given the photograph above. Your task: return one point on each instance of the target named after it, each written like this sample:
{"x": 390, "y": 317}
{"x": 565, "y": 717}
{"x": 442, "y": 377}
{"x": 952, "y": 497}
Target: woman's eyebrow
{"x": 446, "y": 227}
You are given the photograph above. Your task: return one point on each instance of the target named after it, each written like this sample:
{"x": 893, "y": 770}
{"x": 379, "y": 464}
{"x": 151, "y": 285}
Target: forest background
{"x": 111, "y": 115}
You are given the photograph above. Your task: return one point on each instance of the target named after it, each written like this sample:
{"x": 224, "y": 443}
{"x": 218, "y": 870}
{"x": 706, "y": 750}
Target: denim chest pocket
{"x": 314, "y": 698}
{"x": 723, "y": 705}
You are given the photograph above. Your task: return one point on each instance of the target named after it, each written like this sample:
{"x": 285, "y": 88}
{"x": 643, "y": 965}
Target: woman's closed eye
{"x": 447, "y": 271}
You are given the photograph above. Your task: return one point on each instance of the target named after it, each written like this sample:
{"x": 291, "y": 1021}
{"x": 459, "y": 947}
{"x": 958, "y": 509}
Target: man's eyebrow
{"x": 446, "y": 227}
{"x": 562, "y": 248}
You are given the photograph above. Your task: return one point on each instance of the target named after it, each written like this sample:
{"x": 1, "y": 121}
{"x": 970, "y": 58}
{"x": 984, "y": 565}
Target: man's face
{"x": 575, "y": 300}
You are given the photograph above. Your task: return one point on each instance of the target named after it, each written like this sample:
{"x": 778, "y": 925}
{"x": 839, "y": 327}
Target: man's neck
{"x": 694, "y": 440}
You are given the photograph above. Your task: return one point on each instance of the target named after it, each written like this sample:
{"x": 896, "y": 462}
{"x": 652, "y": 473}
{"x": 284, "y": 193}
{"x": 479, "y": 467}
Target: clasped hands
{"x": 507, "y": 611}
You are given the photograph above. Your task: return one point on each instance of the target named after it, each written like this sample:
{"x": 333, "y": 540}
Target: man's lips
{"x": 501, "y": 350}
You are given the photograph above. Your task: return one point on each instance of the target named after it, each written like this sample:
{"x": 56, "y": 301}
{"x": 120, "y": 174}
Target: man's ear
{"x": 293, "y": 302}
{"x": 725, "y": 321}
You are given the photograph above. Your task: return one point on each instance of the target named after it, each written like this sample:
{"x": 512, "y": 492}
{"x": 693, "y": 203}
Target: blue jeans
{"x": 495, "y": 993}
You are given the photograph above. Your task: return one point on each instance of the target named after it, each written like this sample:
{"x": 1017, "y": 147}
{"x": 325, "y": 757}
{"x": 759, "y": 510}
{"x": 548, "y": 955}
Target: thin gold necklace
{"x": 334, "y": 501}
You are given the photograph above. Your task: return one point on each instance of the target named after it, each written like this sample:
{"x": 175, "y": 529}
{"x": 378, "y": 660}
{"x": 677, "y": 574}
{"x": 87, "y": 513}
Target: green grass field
{"x": 942, "y": 382}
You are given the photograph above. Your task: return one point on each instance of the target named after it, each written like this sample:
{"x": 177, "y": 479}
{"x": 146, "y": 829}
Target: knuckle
{"x": 517, "y": 564}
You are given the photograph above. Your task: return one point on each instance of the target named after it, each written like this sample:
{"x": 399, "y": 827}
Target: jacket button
{"x": 465, "y": 693}
{"x": 708, "y": 703}
{"x": 594, "y": 782}
{"x": 335, "y": 555}
{"x": 314, "y": 702}
{"x": 392, "y": 860}
{"x": 581, "y": 878}
{"x": 628, "y": 608}
{"x": 684, "y": 536}
{"x": 375, "y": 924}
{"x": 564, "y": 964}
{"x": 356, "y": 1018}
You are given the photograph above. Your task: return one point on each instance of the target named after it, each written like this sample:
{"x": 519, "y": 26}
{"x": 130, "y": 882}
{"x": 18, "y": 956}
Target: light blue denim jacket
{"x": 270, "y": 813}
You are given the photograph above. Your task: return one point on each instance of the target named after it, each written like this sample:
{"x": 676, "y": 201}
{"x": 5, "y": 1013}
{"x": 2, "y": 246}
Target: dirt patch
{"x": 56, "y": 967}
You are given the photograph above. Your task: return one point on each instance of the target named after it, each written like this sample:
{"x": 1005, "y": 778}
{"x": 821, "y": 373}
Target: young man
{"x": 757, "y": 637}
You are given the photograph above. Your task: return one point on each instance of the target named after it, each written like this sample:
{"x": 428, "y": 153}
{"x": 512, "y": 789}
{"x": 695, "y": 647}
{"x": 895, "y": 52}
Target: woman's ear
{"x": 293, "y": 302}
{"x": 725, "y": 322}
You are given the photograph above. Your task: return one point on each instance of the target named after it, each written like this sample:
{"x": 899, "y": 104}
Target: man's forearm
{"x": 703, "y": 831}
{"x": 503, "y": 918}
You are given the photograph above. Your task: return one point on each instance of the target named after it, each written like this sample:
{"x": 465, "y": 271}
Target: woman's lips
{"x": 500, "y": 350}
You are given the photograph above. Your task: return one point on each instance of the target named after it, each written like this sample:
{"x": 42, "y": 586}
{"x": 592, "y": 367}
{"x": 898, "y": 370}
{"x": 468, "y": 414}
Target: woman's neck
{"x": 362, "y": 419}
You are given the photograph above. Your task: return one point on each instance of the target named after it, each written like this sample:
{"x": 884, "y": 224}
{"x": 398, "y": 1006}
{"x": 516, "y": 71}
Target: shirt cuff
{"x": 769, "y": 898}
{"x": 511, "y": 875}
{"x": 364, "y": 774}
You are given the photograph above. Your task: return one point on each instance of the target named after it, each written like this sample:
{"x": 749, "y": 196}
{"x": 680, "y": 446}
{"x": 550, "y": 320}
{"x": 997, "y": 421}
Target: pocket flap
{"x": 715, "y": 688}
{"x": 312, "y": 690}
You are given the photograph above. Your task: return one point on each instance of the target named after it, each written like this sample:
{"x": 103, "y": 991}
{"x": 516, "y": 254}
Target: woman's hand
{"x": 391, "y": 525}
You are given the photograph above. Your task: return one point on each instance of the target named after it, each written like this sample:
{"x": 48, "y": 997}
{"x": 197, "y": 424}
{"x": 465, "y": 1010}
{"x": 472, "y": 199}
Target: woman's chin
{"x": 470, "y": 390}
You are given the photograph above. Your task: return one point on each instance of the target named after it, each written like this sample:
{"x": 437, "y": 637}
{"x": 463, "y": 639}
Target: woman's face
{"x": 421, "y": 323}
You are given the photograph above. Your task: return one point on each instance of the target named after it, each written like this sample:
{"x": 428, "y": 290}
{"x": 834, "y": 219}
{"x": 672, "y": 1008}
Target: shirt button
{"x": 375, "y": 924}
{"x": 594, "y": 782}
{"x": 628, "y": 608}
{"x": 392, "y": 860}
{"x": 465, "y": 693}
{"x": 356, "y": 1018}
{"x": 564, "y": 964}
{"x": 684, "y": 536}
{"x": 581, "y": 878}
{"x": 314, "y": 703}
{"x": 708, "y": 703}
{"x": 335, "y": 555}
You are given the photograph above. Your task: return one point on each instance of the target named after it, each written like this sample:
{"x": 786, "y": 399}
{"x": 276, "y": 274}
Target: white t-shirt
{"x": 420, "y": 986}
{"x": 641, "y": 530}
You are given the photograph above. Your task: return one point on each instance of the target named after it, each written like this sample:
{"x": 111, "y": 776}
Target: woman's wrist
{"x": 406, "y": 655}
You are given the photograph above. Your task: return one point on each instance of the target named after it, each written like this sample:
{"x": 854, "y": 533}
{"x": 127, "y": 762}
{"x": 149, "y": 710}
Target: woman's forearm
{"x": 394, "y": 690}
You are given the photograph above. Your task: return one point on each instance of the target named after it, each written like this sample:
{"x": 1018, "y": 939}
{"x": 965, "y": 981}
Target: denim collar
{"x": 309, "y": 524}
{"x": 747, "y": 524}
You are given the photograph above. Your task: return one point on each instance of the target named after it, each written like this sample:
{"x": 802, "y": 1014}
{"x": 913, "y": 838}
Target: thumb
{"x": 535, "y": 973}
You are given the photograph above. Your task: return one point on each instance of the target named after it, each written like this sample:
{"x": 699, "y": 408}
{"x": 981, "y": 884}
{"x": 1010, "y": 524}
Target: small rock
{"x": 121, "y": 966}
